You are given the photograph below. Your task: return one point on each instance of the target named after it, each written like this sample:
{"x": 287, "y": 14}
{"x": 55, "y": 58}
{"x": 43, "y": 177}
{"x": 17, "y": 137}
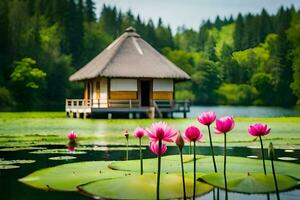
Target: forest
{"x": 251, "y": 59}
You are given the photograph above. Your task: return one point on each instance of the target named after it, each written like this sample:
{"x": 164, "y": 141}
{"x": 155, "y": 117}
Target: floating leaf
{"x": 8, "y": 166}
{"x": 62, "y": 158}
{"x": 10, "y": 162}
{"x": 250, "y": 183}
{"x": 21, "y": 148}
{"x": 68, "y": 176}
{"x": 170, "y": 164}
{"x": 241, "y": 165}
{"x": 97, "y": 148}
{"x": 205, "y": 165}
{"x": 57, "y": 151}
{"x": 287, "y": 158}
{"x": 144, "y": 187}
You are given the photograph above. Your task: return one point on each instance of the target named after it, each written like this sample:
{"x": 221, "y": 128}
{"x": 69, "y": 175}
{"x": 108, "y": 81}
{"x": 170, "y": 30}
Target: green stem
{"x": 275, "y": 180}
{"x": 141, "y": 155}
{"x": 158, "y": 169}
{"x": 194, "y": 188}
{"x": 212, "y": 149}
{"x": 182, "y": 174}
{"x": 190, "y": 147}
{"x": 262, "y": 153}
{"x": 225, "y": 180}
{"x": 127, "y": 149}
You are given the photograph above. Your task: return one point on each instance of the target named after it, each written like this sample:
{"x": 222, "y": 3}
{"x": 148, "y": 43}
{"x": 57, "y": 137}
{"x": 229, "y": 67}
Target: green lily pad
{"x": 170, "y": 164}
{"x": 205, "y": 165}
{"x": 11, "y": 162}
{"x": 144, "y": 187}
{"x": 244, "y": 165}
{"x": 62, "y": 158}
{"x": 57, "y": 151}
{"x": 9, "y": 166}
{"x": 250, "y": 183}
{"x": 96, "y": 148}
{"x": 68, "y": 176}
{"x": 21, "y": 148}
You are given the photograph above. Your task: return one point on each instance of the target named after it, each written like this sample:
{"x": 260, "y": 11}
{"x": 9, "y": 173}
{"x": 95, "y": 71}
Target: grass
{"x": 41, "y": 128}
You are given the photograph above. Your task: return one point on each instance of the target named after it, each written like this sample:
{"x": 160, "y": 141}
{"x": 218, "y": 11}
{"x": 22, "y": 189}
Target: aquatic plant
{"x": 223, "y": 126}
{"x": 139, "y": 133}
{"x": 193, "y": 134}
{"x": 126, "y": 134}
{"x": 180, "y": 144}
{"x": 157, "y": 133}
{"x": 72, "y": 136}
{"x": 272, "y": 156}
{"x": 207, "y": 118}
{"x": 259, "y": 130}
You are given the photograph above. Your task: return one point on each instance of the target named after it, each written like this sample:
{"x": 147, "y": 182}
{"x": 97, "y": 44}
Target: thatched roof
{"x": 129, "y": 56}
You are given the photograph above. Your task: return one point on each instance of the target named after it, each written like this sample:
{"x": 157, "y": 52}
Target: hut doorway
{"x": 145, "y": 92}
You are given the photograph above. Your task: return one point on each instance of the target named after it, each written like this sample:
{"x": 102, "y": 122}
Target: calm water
{"x": 12, "y": 189}
{"x": 245, "y": 111}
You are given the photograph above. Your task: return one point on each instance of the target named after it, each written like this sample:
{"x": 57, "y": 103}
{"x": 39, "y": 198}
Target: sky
{"x": 191, "y": 13}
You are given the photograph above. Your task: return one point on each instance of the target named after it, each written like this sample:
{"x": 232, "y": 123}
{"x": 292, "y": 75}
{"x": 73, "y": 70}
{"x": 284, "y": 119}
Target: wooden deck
{"x": 81, "y": 108}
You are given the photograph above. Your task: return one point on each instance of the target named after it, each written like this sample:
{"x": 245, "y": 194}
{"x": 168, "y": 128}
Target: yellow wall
{"x": 123, "y": 95}
{"x": 162, "y": 95}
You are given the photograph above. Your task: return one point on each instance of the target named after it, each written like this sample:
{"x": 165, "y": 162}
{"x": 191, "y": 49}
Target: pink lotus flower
{"x": 206, "y": 118}
{"x": 192, "y": 133}
{"x": 179, "y": 141}
{"x": 161, "y": 131}
{"x": 154, "y": 148}
{"x": 72, "y": 135}
{"x": 258, "y": 130}
{"x": 224, "y": 125}
{"x": 139, "y": 132}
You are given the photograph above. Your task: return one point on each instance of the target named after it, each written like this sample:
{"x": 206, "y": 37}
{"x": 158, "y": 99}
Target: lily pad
{"x": 68, "y": 176}
{"x": 143, "y": 187}
{"x": 9, "y": 166}
{"x": 57, "y": 151}
{"x": 242, "y": 165}
{"x": 287, "y": 158}
{"x": 62, "y": 158}
{"x": 250, "y": 183}
{"x": 21, "y": 148}
{"x": 169, "y": 164}
{"x": 205, "y": 165}
{"x": 97, "y": 148}
{"x": 11, "y": 162}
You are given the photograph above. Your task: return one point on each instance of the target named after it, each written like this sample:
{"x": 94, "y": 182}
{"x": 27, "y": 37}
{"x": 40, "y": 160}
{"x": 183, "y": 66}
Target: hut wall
{"x": 163, "y": 89}
{"x": 103, "y": 89}
{"x": 123, "y": 89}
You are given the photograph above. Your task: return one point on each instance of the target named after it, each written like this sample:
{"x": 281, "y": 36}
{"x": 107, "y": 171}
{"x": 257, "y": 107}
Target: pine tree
{"x": 238, "y": 34}
{"x": 90, "y": 15}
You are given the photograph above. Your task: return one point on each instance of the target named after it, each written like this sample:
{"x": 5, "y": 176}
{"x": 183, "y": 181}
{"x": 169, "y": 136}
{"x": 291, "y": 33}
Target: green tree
{"x": 90, "y": 15}
{"x": 264, "y": 85}
{"x": 26, "y": 79}
{"x": 238, "y": 34}
{"x": 294, "y": 37}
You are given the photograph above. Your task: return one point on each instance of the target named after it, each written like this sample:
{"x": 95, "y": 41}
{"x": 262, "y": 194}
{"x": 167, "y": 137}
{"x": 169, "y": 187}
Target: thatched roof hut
{"x": 129, "y": 70}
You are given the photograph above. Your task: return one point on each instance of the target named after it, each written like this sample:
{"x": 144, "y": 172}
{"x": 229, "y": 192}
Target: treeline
{"x": 248, "y": 60}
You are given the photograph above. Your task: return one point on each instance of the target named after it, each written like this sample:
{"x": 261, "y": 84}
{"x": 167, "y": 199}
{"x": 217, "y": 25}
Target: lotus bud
{"x": 126, "y": 134}
{"x": 271, "y": 152}
{"x": 179, "y": 141}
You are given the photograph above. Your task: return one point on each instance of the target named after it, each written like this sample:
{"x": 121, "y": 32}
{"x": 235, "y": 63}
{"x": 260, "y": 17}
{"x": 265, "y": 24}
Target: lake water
{"x": 12, "y": 189}
{"x": 245, "y": 111}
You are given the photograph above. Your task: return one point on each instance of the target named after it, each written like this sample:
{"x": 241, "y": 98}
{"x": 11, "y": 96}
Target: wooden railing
{"x": 159, "y": 105}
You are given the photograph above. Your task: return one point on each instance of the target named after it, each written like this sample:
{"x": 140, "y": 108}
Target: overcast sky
{"x": 191, "y": 13}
